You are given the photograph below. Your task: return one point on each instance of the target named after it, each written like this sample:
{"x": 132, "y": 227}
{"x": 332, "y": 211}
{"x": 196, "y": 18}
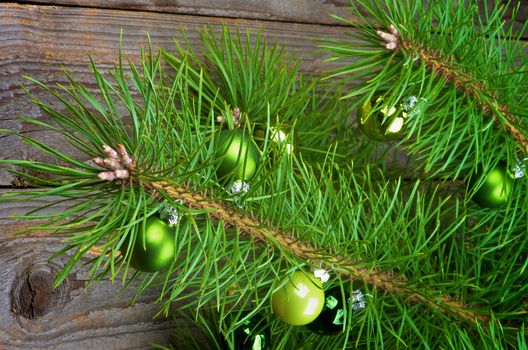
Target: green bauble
{"x": 379, "y": 122}
{"x": 251, "y": 335}
{"x": 154, "y": 247}
{"x": 278, "y": 139}
{"x": 496, "y": 186}
{"x": 237, "y": 155}
{"x": 300, "y": 300}
{"x": 333, "y": 316}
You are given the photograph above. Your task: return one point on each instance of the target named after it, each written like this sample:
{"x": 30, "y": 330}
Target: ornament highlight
{"x": 251, "y": 336}
{"x": 519, "y": 169}
{"x": 322, "y": 274}
{"x": 300, "y": 300}
{"x": 238, "y": 187}
{"x": 333, "y": 318}
{"x": 381, "y": 122}
{"x": 171, "y": 214}
{"x": 278, "y": 138}
{"x": 154, "y": 246}
{"x": 494, "y": 188}
{"x": 237, "y": 155}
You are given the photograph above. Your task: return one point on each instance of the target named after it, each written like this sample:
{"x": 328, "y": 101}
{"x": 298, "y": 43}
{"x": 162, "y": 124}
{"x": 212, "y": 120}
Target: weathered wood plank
{"x": 33, "y": 316}
{"x": 302, "y": 11}
{"x": 37, "y": 40}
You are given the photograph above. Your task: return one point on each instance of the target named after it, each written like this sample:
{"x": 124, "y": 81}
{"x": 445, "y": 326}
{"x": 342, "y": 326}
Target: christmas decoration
{"x": 251, "y": 335}
{"x": 434, "y": 263}
{"x": 519, "y": 169}
{"x": 493, "y": 189}
{"x": 171, "y": 214}
{"x": 333, "y": 316}
{"x": 300, "y": 300}
{"x": 322, "y": 274}
{"x": 153, "y": 247}
{"x": 382, "y": 122}
{"x": 278, "y": 139}
{"x": 238, "y": 187}
{"x": 237, "y": 155}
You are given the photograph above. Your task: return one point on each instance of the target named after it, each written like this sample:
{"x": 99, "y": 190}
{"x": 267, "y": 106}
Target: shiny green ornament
{"x": 496, "y": 186}
{"x": 300, "y": 300}
{"x": 279, "y": 139}
{"x": 251, "y": 336}
{"x": 379, "y": 121}
{"x": 237, "y": 155}
{"x": 333, "y": 316}
{"x": 154, "y": 246}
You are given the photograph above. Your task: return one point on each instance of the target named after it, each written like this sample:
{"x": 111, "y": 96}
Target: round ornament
{"x": 300, "y": 300}
{"x": 381, "y": 122}
{"x": 252, "y": 336}
{"x": 153, "y": 248}
{"x": 279, "y": 139}
{"x": 237, "y": 155}
{"x": 333, "y": 316}
{"x": 495, "y": 187}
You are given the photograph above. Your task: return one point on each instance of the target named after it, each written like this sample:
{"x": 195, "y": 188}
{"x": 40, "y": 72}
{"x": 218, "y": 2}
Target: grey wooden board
{"x": 97, "y": 317}
{"x": 37, "y": 40}
{"x": 304, "y": 11}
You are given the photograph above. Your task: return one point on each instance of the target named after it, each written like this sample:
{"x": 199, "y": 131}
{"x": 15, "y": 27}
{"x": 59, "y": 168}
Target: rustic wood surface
{"x": 302, "y": 11}
{"x": 35, "y": 316}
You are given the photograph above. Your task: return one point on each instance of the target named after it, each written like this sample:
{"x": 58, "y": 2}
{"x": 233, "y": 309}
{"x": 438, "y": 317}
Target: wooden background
{"x": 36, "y": 38}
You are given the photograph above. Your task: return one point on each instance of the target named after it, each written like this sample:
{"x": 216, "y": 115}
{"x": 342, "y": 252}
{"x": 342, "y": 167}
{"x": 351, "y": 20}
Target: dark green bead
{"x": 495, "y": 187}
{"x": 252, "y": 335}
{"x": 237, "y": 155}
{"x": 330, "y": 321}
{"x": 378, "y": 121}
{"x": 154, "y": 246}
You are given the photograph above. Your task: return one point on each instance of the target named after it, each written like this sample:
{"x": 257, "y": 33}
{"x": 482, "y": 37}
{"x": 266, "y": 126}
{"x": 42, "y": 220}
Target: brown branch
{"x": 260, "y": 231}
{"x": 441, "y": 66}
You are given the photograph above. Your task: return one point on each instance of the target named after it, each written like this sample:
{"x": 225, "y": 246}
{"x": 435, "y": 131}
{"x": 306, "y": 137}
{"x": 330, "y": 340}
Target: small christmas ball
{"x": 278, "y": 138}
{"x": 237, "y": 154}
{"x": 333, "y": 316}
{"x": 379, "y": 121}
{"x": 300, "y": 300}
{"x": 495, "y": 187}
{"x": 251, "y": 335}
{"x": 154, "y": 246}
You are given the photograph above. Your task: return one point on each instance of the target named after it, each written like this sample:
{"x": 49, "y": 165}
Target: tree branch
{"x": 261, "y": 231}
{"x": 440, "y": 66}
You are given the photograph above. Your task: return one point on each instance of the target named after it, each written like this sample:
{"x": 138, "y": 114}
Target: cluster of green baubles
{"x": 237, "y": 159}
{"x": 300, "y": 301}
{"x": 381, "y": 122}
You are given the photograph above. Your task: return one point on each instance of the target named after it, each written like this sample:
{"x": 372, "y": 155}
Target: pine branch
{"x": 462, "y": 62}
{"x": 456, "y": 259}
{"x": 120, "y": 160}
{"x": 442, "y": 67}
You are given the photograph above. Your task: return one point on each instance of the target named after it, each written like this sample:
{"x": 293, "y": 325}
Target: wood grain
{"x": 37, "y": 40}
{"x": 74, "y": 316}
{"x": 301, "y": 11}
